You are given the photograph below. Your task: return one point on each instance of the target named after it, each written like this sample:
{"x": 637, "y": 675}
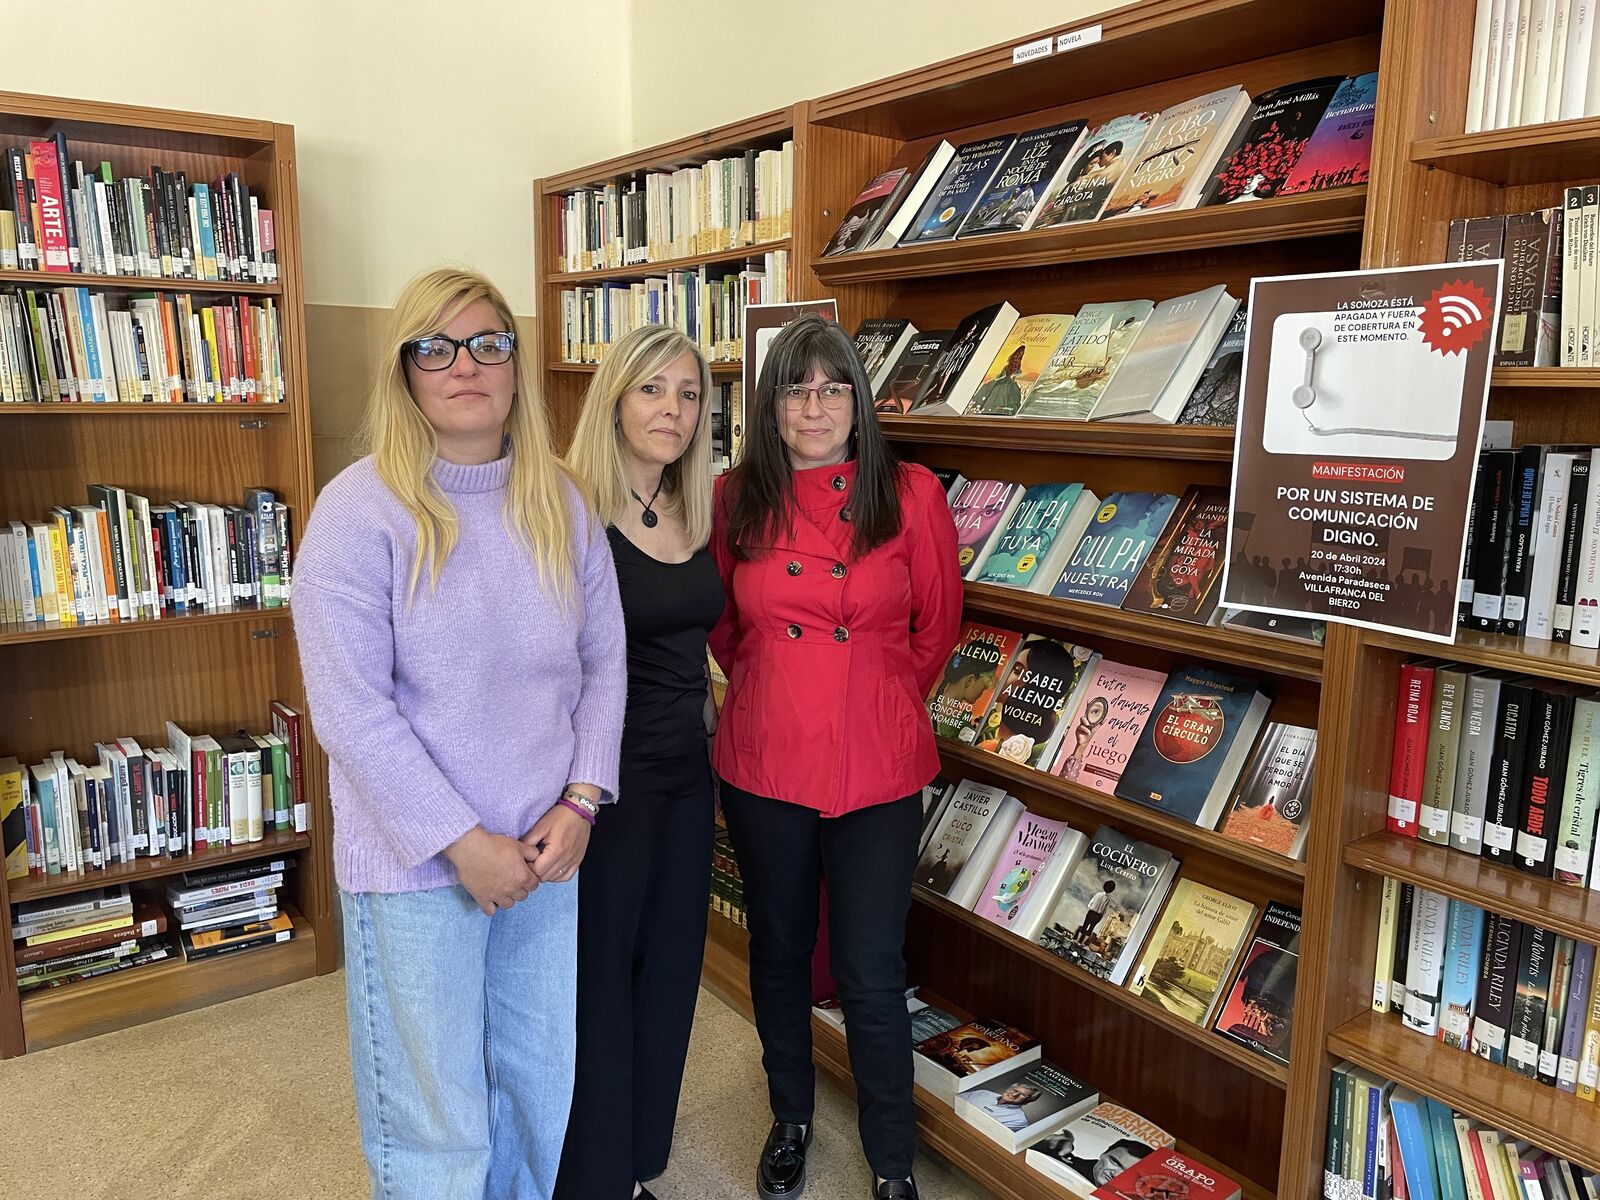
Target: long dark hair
{"x": 759, "y": 495}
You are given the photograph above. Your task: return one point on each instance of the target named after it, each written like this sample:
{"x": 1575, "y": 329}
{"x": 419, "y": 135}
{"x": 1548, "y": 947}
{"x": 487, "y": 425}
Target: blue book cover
{"x": 1446, "y": 1151}
{"x": 1026, "y": 541}
{"x": 208, "y": 237}
{"x": 1414, "y": 1133}
{"x": 958, "y": 189}
{"x": 1114, "y": 547}
{"x": 1463, "y": 961}
{"x": 1194, "y": 745}
{"x": 91, "y": 345}
{"x": 33, "y": 579}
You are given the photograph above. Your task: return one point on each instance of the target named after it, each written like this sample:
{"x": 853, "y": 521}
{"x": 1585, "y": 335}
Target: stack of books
{"x": 727, "y": 885}
{"x": 230, "y": 909}
{"x": 1532, "y": 63}
{"x": 68, "y": 938}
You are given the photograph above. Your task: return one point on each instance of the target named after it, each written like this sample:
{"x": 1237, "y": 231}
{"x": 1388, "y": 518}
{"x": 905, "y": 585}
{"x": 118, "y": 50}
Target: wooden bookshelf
{"x": 1524, "y": 154}
{"x": 1196, "y": 442}
{"x": 733, "y": 256}
{"x": 68, "y": 687}
{"x": 1525, "y": 656}
{"x": 1544, "y": 377}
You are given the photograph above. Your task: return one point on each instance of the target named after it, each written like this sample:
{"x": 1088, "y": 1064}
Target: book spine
{"x": 1571, "y": 284}
{"x": 1589, "y": 1057}
{"x": 1544, "y": 779}
{"x": 1524, "y": 497}
{"x": 1552, "y": 517}
{"x": 1513, "y": 734}
{"x": 1383, "y": 963}
{"x": 1497, "y": 981}
{"x": 1577, "y": 1012}
{"x": 1561, "y": 961}
{"x": 1444, "y": 739}
{"x": 1425, "y": 962}
{"x": 1528, "y": 1008}
{"x": 1571, "y": 540}
{"x": 1409, "y": 766}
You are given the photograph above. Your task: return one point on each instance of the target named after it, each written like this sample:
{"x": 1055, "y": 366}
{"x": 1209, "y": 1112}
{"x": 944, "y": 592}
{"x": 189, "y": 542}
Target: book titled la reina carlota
{"x": 1195, "y": 746}
{"x": 1114, "y": 546}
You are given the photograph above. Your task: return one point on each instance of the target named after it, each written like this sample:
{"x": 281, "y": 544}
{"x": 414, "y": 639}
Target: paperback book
{"x": 963, "y": 182}
{"x": 971, "y": 1055}
{"x": 1182, "y": 577}
{"x": 1014, "y": 886}
{"x": 1215, "y": 399}
{"x": 911, "y": 372}
{"x": 1273, "y": 808}
{"x": 1085, "y": 360}
{"x": 1081, "y": 191}
{"x": 982, "y": 509}
{"x": 1032, "y": 549}
{"x": 1019, "y": 186}
{"x": 1175, "y": 161}
{"x": 981, "y": 658}
{"x": 1192, "y": 950}
{"x": 1036, "y": 701}
{"x": 957, "y": 834}
{"x": 1339, "y": 152}
{"x": 1259, "y": 1010}
{"x": 1114, "y": 546}
{"x": 1026, "y": 1103}
{"x": 1164, "y": 365}
{"x": 1011, "y": 376}
{"x": 1108, "y": 904}
{"x": 1116, "y": 706}
{"x": 872, "y": 207}
{"x": 1096, "y": 1148}
{"x": 1271, "y": 142}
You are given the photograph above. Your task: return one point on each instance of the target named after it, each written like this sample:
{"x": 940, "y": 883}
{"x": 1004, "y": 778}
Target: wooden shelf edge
{"x": 582, "y": 368}
{"x": 1210, "y": 1042}
{"x": 1280, "y": 656}
{"x": 1288, "y": 218}
{"x": 135, "y": 118}
{"x": 1552, "y": 1120}
{"x": 1201, "y": 443}
{"x": 17, "y": 635}
{"x": 1522, "y": 154}
{"x": 143, "y": 994}
{"x": 1525, "y": 656}
{"x": 689, "y": 263}
{"x": 1563, "y": 909}
{"x": 37, "y": 887}
{"x": 1545, "y": 377}
{"x": 137, "y": 283}
{"x": 1121, "y": 813}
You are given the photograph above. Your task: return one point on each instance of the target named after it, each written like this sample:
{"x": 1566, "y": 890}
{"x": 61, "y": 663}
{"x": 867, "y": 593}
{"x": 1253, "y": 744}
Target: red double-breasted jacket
{"x": 829, "y": 656}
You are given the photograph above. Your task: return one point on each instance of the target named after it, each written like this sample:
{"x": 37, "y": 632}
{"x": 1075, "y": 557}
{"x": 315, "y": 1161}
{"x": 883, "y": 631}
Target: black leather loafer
{"x": 896, "y": 1189}
{"x": 781, "y": 1173}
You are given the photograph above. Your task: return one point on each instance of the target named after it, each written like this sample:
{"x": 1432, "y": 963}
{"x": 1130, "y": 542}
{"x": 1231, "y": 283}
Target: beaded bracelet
{"x": 577, "y": 808}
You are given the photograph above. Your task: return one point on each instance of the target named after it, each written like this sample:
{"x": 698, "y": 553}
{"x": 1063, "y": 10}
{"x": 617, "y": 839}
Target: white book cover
{"x": 1551, "y": 522}
{"x": 1478, "y": 712}
{"x": 1491, "y": 17}
{"x": 1586, "y": 602}
{"x": 1588, "y": 220}
{"x": 1582, "y": 88}
{"x": 1560, "y": 13}
{"x": 1521, "y": 52}
{"x": 1155, "y": 379}
{"x": 968, "y": 886}
{"x": 1570, "y": 236}
{"x": 932, "y": 171}
{"x": 1536, "y": 71}
{"x": 1425, "y": 961}
{"x": 1510, "y": 79}
{"x": 1576, "y": 826}
{"x": 1047, "y": 888}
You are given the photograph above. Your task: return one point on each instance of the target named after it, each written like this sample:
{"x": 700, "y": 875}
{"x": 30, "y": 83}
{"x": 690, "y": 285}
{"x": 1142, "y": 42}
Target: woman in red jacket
{"x": 844, "y": 600}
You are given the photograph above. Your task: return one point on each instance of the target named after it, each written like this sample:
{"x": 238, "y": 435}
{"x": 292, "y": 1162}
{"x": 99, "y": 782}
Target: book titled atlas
{"x": 1339, "y": 152}
{"x": 966, "y": 179}
{"x": 1019, "y": 186}
{"x": 1036, "y": 702}
{"x": 1011, "y": 376}
{"x": 1080, "y": 191}
{"x": 1191, "y": 951}
{"x": 1259, "y": 1010}
{"x": 1270, "y": 142}
{"x": 1116, "y": 705}
{"x": 1085, "y": 360}
{"x": 1194, "y": 747}
{"x": 1108, "y": 903}
{"x": 982, "y": 508}
{"x": 978, "y": 663}
{"x": 1035, "y": 545}
{"x": 1175, "y": 161}
{"x": 1182, "y": 577}
{"x": 1114, "y": 546}
{"x": 1273, "y": 808}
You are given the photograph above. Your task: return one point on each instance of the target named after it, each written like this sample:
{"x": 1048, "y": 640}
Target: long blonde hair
{"x": 403, "y": 444}
{"x": 595, "y": 456}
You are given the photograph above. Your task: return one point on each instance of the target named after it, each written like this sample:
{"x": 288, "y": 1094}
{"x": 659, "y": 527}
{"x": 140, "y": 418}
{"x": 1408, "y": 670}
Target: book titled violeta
{"x": 1037, "y": 700}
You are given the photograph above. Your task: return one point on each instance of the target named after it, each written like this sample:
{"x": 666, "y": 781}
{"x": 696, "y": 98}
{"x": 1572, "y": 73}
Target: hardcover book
{"x": 1096, "y": 1148}
{"x": 1544, "y": 778}
{"x": 1164, "y": 364}
{"x": 1531, "y": 1001}
{"x": 880, "y": 341}
{"x": 1259, "y": 1010}
{"x": 1273, "y": 808}
{"x": 1463, "y": 962}
{"x": 1020, "y": 184}
{"x": 1340, "y": 150}
{"x": 1575, "y": 832}
{"x": 1027, "y": 853}
{"x": 1108, "y": 904}
{"x": 1430, "y": 914}
{"x": 1011, "y": 376}
{"x": 1037, "y": 700}
{"x": 1085, "y": 360}
{"x": 981, "y": 509}
{"x": 1175, "y": 161}
{"x": 957, "y": 834}
{"x": 1080, "y": 192}
{"x": 920, "y": 186}
{"x": 1192, "y": 949}
{"x": 872, "y": 207}
{"x": 1497, "y": 986}
{"x": 961, "y": 700}
{"x": 1215, "y": 399}
{"x": 1530, "y": 238}
{"x": 954, "y": 378}
{"x": 1114, "y": 547}
{"x": 970, "y": 1055}
{"x": 964, "y": 180}
{"x": 1270, "y": 142}
{"x": 1116, "y": 705}
{"x": 1183, "y": 574}
{"x": 1506, "y": 770}
{"x": 1021, "y": 1106}
{"x": 925, "y": 1022}
{"x": 1480, "y": 705}
{"x": 1040, "y": 535}
{"x": 911, "y": 372}
{"x": 1191, "y": 753}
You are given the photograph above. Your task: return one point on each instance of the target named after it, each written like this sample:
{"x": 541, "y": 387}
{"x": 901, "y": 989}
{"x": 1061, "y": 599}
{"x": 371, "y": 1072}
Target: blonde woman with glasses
{"x": 462, "y": 645}
{"x": 642, "y": 450}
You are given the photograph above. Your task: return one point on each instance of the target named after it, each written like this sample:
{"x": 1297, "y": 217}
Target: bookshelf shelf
{"x": 37, "y": 887}
{"x": 717, "y": 368}
{"x": 17, "y": 635}
{"x": 1525, "y": 656}
{"x": 1545, "y": 377}
{"x": 138, "y": 283}
{"x": 1315, "y": 215}
{"x": 766, "y": 130}
{"x": 54, "y": 1017}
{"x": 1183, "y": 838}
{"x": 1550, "y": 1119}
{"x": 1197, "y": 443}
{"x": 1572, "y": 911}
{"x": 1549, "y": 153}
{"x": 118, "y": 408}
{"x": 1213, "y": 1043}
{"x": 1282, "y": 656}
{"x": 737, "y": 254}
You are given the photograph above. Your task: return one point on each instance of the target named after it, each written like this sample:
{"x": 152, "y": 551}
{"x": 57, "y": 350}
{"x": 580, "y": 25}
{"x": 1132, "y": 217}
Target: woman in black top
{"x": 642, "y": 449}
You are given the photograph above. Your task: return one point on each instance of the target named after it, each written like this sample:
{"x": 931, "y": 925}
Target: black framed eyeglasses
{"x": 437, "y": 351}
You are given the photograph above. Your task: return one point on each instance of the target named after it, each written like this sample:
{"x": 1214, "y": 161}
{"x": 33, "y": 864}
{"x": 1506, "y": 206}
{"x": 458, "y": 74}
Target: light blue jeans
{"x": 461, "y": 1040}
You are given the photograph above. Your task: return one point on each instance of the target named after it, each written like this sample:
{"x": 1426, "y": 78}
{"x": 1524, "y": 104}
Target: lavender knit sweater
{"x": 474, "y": 704}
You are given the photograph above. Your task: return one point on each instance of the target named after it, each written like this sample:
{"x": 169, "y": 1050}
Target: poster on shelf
{"x": 1360, "y": 416}
{"x": 763, "y": 322}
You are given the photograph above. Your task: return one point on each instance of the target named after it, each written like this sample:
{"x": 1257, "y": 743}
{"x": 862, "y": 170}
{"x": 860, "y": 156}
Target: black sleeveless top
{"x": 669, "y": 610}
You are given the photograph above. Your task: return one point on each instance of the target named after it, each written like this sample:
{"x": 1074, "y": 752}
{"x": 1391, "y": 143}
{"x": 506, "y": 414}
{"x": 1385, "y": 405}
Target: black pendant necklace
{"x": 648, "y": 516}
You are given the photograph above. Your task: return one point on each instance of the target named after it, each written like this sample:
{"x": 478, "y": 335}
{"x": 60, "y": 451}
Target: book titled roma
{"x": 1259, "y": 1010}
{"x": 1182, "y": 577}
{"x": 1019, "y": 185}
{"x": 980, "y": 660}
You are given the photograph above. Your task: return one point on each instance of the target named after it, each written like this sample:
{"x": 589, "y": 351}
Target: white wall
{"x": 748, "y": 56}
{"x": 419, "y": 125}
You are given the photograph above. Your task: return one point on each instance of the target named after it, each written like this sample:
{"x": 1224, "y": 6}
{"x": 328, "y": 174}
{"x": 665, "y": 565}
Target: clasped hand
{"x": 499, "y": 871}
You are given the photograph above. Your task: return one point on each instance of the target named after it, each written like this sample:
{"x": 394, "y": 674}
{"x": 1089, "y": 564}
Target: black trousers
{"x": 868, "y": 858}
{"x": 642, "y": 903}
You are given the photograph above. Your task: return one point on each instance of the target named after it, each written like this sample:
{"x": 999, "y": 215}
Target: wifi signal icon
{"x": 1458, "y": 313}
{"x": 1455, "y": 318}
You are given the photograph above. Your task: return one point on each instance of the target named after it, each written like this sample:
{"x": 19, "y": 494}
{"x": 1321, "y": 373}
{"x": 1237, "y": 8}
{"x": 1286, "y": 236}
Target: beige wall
{"x": 759, "y": 55}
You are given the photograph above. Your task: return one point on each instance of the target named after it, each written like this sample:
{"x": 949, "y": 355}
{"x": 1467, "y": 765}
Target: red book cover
{"x": 286, "y": 724}
{"x": 1168, "y": 1175}
{"x": 247, "y": 348}
{"x": 52, "y": 216}
{"x": 1339, "y": 152}
{"x": 197, "y": 793}
{"x": 1411, "y": 719}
